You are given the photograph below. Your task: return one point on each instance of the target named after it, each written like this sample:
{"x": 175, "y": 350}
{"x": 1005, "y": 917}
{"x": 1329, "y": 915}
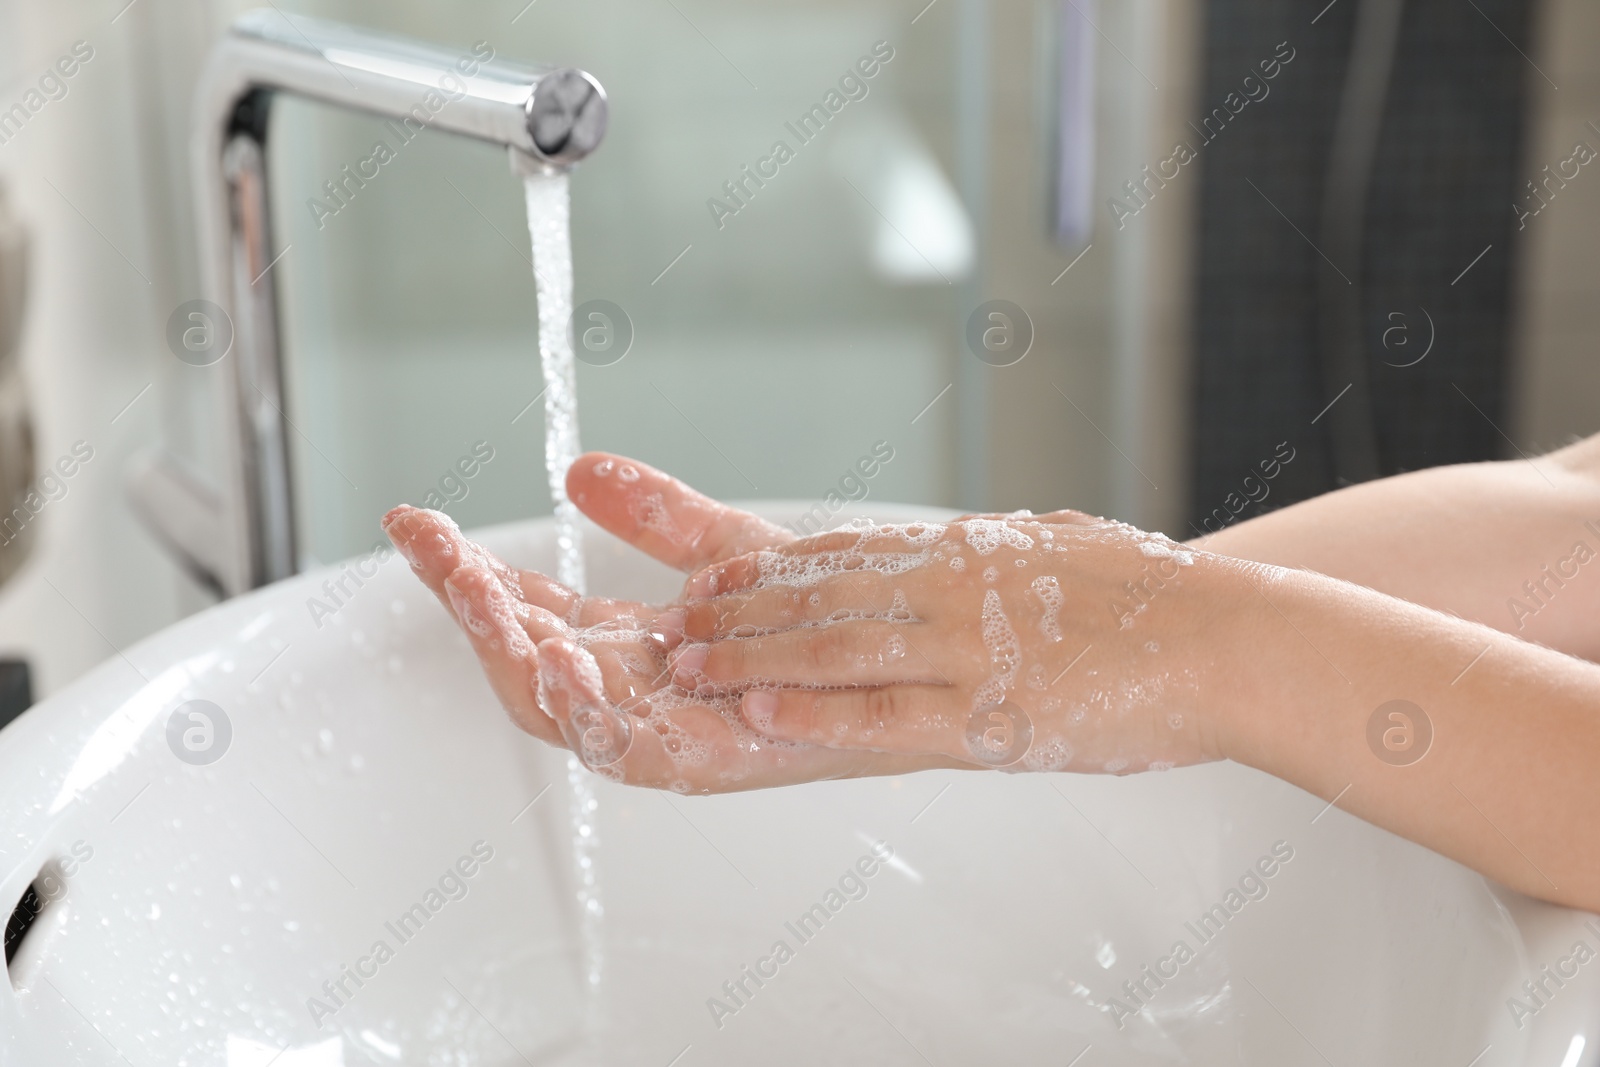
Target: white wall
{"x": 91, "y": 176}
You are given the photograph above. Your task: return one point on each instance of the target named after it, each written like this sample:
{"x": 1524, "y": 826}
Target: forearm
{"x": 1508, "y": 784}
{"x": 1472, "y": 540}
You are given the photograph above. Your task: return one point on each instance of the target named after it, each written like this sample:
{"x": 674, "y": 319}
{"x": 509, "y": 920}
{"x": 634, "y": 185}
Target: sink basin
{"x": 212, "y": 887}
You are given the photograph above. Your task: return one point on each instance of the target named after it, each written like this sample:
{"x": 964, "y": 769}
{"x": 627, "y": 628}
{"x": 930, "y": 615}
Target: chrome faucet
{"x": 240, "y": 534}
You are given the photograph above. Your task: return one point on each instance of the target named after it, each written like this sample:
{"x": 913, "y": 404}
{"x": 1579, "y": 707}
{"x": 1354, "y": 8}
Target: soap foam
{"x": 986, "y": 535}
{"x": 787, "y": 569}
{"x": 1161, "y": 547}
{"x": 650, "y": 512}
{"x": 1048, "y": 590}
{"x": 1053, "y": 754}
{"x": 1005, "y": 653}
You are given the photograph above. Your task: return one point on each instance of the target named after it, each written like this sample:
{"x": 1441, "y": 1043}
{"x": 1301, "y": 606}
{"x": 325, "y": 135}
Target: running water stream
{"x": 548, "y": 224}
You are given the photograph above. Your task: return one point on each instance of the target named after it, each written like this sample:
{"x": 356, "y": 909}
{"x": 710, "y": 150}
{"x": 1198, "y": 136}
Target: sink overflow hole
{"x": 23, "y": 916}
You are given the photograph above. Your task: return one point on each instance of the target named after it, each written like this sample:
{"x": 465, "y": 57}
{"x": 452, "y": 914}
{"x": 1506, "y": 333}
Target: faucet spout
{"x": 239, "y": 533}
{"x": 556, "y": 114}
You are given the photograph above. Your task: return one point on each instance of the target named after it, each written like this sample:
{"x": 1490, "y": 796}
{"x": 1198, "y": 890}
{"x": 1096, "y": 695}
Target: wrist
{"x": 1237, "y": 641}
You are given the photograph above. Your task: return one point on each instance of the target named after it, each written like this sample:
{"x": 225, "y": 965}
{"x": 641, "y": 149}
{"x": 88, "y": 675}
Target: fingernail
{"x": 403, "y": 546}
{"x": 702, "y": 583}
{"x": 688, "y": 667}
{"x": 667, "y": 629}
{"x": 399, "y": 535}
{"x": 759, "y": 708}
{"x": 469, "y": 615}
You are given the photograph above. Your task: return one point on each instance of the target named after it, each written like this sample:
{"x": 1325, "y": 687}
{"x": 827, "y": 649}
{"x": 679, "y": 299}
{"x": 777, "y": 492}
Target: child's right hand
{"x": 590, "y": 673}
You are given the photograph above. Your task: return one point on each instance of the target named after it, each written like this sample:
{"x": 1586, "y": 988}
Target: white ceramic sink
{"x": 195, "y": 909}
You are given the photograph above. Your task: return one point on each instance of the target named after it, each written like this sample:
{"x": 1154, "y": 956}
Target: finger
{"x": 1064, "y": 517}
{"x": 865, "y": 595}
{"x": 571, "y": 692}
{"x": 575, "y": 609}
{"x": 884, "y": 549}
{"x": 632, "y": 667}
{"x": 436, "y": 548}
{"x": 847, "y": 653}
{"x": 1069, "y": 517}
{"x": 903, "y": 719}
{"x": 665, "y": 741}
{"x": 503, "y": 632}
{"x": 741, "y": 572}
{"x": 685, "y": 746}
{"x": 662, "y": 516}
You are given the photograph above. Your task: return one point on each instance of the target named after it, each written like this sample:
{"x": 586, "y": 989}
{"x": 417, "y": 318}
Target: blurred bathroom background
{"x": 1363, "y": 215}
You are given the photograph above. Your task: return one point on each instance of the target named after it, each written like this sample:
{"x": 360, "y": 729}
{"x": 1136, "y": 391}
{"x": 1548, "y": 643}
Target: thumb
{"x": 659, "y": 515}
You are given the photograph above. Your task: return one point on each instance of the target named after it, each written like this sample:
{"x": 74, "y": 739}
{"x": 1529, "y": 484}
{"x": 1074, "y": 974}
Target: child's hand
{"x": 1051, "y": 643}
{"x": 589, "y": 673}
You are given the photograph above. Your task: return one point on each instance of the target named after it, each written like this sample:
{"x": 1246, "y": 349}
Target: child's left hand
{"x": 1049, "y": 643}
